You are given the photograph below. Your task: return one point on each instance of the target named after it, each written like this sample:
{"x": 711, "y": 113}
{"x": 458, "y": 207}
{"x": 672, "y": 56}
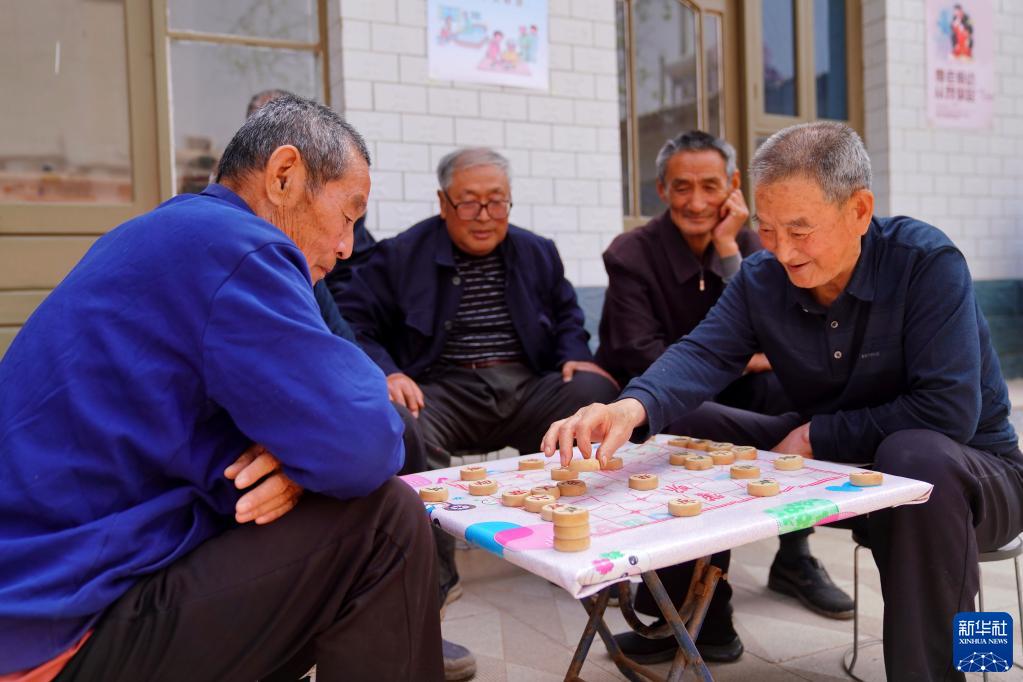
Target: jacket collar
{"x": 863, "y": 282}
{"x": 224, "y": 194}
{"x": 684, "y": 263}
{"x": 444, "y": 248}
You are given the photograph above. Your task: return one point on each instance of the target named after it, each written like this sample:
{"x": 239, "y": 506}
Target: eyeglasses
{"x": 497, "y": 209}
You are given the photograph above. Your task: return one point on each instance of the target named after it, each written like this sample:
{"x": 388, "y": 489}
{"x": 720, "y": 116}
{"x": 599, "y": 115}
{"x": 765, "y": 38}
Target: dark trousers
{"x": 757, "y": 392}
{"x": 488, "y": 409}
{"x": 349, "y": 586}
{"x": 926, "y": 553}
{"x": 502, "y": 406}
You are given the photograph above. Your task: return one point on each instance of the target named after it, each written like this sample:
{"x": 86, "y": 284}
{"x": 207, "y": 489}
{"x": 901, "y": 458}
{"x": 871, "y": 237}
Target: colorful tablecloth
{"x": 632, "y": 531}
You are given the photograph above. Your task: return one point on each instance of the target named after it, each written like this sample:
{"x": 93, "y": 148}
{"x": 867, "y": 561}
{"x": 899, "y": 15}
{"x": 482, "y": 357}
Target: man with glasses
{"x": 477, "y": 329}
{"x": 473, "y": 321}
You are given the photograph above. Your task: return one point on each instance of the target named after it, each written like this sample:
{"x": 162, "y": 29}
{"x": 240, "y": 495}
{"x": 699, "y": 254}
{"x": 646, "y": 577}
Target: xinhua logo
{"x": 982, "y": 642}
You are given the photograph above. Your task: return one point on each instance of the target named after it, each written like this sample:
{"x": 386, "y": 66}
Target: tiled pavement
{"x": 522, "y": 628}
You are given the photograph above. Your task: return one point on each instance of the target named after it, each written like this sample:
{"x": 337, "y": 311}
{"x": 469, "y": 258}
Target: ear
{"x": 443, "y": 204}
{"x": 736, "y": 180}
{"x": 284, "y": 176}
{"x": 861, "y": 209}
{"x": 662, "y": 191}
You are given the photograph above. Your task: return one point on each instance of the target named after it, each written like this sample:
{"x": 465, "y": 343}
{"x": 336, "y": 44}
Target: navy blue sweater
{"x": 181, "y": 337}
{"x": 904, "y": 346}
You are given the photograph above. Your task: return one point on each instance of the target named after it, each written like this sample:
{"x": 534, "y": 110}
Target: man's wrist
{"x": 633, "y": 410}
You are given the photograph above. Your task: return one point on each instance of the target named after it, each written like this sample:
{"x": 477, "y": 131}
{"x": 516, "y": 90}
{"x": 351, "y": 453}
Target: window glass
{"x": 65, "y": 135}
{"x": 666, "y": 91}
{"x": 829, "y": 59}
{"x": 280, "y": 19}
{"x": 211, "y": 88}
{"x": 713, "y": 75}
{"x": 623, "y": 103}
{"x": 779, "y": 57}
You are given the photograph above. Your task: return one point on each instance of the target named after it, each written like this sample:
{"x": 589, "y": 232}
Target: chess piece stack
{"x": 571, "y": 528}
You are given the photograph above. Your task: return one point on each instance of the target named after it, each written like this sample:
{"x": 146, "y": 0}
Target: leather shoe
{"x": 808, "y": 581}
{"x": 459, "y": 663}
{"x": 649, "y": 651}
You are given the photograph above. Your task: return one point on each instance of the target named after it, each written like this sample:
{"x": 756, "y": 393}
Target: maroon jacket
{"x": 654, "y": 295}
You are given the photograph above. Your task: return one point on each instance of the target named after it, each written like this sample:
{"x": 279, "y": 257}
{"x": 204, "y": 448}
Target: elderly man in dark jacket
{"x": 473, "y": 321}
{"x": 477, "y": 329}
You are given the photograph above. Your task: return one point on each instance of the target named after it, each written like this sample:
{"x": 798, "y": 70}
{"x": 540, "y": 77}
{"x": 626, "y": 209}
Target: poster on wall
{"x": 960, "y": 63}
{"x": 498, "y": 42}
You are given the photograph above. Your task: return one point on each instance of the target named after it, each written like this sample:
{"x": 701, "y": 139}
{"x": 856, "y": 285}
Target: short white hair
{"x": 827, "y": 152}
{"x": 469, "y": 157}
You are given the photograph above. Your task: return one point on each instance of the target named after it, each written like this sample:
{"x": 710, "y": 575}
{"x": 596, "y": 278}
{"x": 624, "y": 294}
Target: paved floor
{"x": 522, "y": 628}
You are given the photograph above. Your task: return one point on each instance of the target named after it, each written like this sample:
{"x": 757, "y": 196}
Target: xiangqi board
{"x": 631, "y": 530}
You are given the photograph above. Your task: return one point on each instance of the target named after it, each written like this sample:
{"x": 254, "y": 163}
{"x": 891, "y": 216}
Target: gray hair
{"x": 695, "y": 141}
{"x": 324, "y": 139}
{"x": 827, "y": 152}
{"x": 468, "y": 157}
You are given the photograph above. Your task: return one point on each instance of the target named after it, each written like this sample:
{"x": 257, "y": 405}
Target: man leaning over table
{"x": 663, "y": 279}
{"x": 874, "y": 332}
{"x": 183, "y": 338}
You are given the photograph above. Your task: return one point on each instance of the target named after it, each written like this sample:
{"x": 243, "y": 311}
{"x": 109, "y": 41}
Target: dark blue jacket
{"x": 402, "y": 302}
{"x": 337, "y": 325}
{"x": 181, "y": 337}
{"x": 904, "y": 346}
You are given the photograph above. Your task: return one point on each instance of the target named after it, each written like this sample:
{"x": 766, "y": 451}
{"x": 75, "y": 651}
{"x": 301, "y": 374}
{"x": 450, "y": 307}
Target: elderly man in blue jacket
{"x": 185, "y": 337}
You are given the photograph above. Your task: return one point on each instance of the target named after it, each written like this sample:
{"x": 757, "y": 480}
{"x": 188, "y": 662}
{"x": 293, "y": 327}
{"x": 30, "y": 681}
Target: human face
{"x": 815, "y": 240}
{"x": 321, "y": 223}
{"x": 482, "y": 234}
{"x": 695, "y": 185}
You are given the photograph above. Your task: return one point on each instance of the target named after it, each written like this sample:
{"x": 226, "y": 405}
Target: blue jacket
{"x": 180, "y": 338}
{"x": 905, "y": 346}
{"x": 403, "y": 300}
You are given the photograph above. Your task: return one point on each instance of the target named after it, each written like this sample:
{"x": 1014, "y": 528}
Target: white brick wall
{"x": 969, "y": 183}
{"x": 563, "y": 145}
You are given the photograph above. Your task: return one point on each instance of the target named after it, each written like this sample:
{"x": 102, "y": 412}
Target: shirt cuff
{"x": 826, "y": 445}
{"x": 730, "y": 266}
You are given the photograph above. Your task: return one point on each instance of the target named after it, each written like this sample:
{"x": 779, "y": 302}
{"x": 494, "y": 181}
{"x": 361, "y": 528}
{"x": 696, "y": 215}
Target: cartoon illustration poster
{"x": 960, "y": 63}
{"x": 499, "y": 42}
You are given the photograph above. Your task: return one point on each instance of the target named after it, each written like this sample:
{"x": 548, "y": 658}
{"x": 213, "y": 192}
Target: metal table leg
{"x": 683, "y": 623}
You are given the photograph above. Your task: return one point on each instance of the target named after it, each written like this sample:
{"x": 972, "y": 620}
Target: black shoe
{"x": 649, "y": 651}
{"x": 807, "y": 581}
{"x": 459, "y": 663}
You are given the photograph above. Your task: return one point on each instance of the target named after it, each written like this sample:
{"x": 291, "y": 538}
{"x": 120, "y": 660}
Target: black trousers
{"x": 926, "y": 553}
{"x": 349, "y": 586}
{"x": 502, "y": 406}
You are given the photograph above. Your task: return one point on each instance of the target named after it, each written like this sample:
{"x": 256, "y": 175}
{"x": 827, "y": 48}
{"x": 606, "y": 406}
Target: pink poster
{"x": 960, "y": 63}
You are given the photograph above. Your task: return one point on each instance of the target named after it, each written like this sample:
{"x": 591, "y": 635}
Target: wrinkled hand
{"x": 758, "y": 363}
{"x": 611, "y": 425}
{"x": 733, "y": 213}
{"x": 796, "y": 443}
{"x": 573, "y": 366}
{"x": 274, "y": 497}
{"x": 402, "y": 389}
